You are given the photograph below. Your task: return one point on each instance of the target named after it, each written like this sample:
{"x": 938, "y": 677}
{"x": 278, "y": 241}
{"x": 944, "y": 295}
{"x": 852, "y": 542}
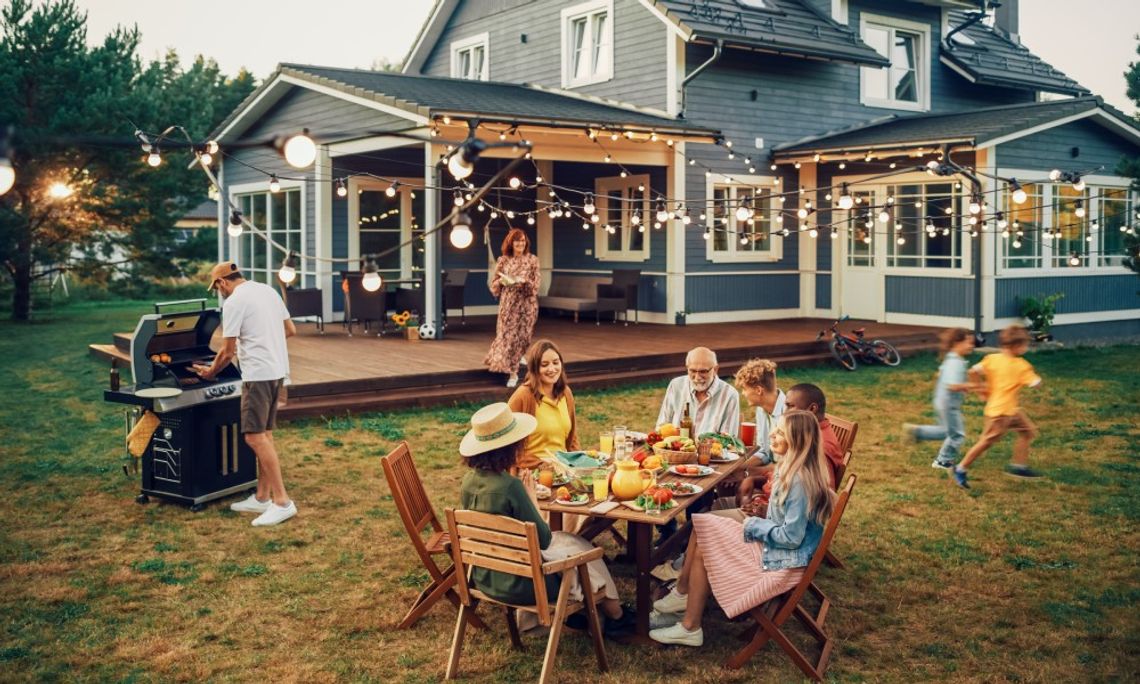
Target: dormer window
{"x": 905, "y": 84}
{"x": 469, "y": 58}
{"x": 587, "y": 43}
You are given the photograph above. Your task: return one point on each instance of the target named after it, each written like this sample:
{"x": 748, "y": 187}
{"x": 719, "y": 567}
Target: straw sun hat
{"x": 494, "y": 426}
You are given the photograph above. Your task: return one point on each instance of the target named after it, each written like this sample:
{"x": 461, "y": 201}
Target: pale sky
{"x": 1091, "y": 41}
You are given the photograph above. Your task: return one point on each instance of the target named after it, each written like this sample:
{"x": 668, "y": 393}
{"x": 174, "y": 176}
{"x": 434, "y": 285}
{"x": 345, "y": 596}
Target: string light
{"x": 154, "y": 159}
{"x": 662, "y": 214}
{"x": 341, "y": 190}
{"x": 1019, "y": 195}
{"x": 235, "y": 227}
{"x": 274, "y": 184}
{"x": 457, "y": 200}
{"x": 1079, "y": 208}
{"x": 514, "y": 182}
{"x": 845, "y": 200}
{"x": 371, "y": 280}
{"x": 299, "y": 150}
{"x": 288, "y": 272}
{"x": 461, "y": 235}
{"x": 392, "y": 189}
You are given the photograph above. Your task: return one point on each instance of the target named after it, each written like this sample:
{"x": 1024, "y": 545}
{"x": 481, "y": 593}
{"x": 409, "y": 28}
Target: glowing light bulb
{"x": 154, "y": 159}
{"x": 371, "y": 280}
{"x": 884, "y": 216}
{"x": 300, "y": 151}
{"x": 515, "y": 183}
{"x": 274, "y": 184}
{"x": 390, "y": 191}
{"x": 7, "y": 175}
{"x": 461, "y": 235}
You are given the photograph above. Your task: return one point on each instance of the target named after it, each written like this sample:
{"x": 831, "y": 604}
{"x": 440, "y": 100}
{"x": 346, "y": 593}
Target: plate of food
{"x": 654, "y": 501}
{"x": 636, "y": 436}
{"x": 560, "y": 480}
{"x": 725, "y": 457}
{"x": 541, "y": 491}
{"x": 690, "y": 470}
{"x": 565, "y": 498}
{"x": 681, "y": 488}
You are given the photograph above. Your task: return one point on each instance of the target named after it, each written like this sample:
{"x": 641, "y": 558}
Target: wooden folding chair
{"x": 416, "y": 513}
{"x": 845, "y": 431}
{"x": 772, "y": 616}
{"x": 496, "y": 542}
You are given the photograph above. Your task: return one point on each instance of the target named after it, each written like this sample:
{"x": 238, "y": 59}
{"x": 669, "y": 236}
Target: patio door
{"x": 384, "y": 222}
{"x": 862, "y": 283}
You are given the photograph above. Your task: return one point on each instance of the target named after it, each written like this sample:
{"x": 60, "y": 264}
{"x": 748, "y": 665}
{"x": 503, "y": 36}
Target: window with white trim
{"x": 278, "y": 216}
{"x": 860, "y": 220}
{"x": 1058, "y": 222}
{"x": 587, "y": 43}
{"x": 622, "y": 233}
{"x": 920, "y": 232}
{"x": 469, "y": 58}
{"x": 742, "y": 224}
{"x": 905, "y": 84}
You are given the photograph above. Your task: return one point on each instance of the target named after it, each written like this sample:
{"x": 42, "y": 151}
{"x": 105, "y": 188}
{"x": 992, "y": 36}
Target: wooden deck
{"x": 336, "y": 373}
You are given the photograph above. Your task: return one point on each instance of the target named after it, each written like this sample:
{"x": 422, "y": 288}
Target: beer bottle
{"x": 115, "y": 375}
{"x": 686, "y": 424}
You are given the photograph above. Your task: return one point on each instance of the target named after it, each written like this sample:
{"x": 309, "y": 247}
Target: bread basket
{"x": 675, "y": 457}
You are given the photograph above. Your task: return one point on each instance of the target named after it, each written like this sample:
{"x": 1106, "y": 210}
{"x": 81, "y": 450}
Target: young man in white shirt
{"x": 255, "y": 325}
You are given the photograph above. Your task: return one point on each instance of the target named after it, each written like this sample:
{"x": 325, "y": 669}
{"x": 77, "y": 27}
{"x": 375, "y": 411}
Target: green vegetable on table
{"x": 726, "y": 440}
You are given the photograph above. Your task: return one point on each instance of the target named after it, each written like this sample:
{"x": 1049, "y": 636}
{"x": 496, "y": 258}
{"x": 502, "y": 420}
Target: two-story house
{"x": 903, "y": 161}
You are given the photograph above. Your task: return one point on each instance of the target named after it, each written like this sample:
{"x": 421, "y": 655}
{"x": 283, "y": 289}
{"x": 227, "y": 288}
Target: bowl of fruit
{"x": 676, "y": 449}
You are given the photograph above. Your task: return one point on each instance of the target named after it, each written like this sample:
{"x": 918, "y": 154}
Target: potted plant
{"x": 679, "y": 317}
{"x": 407, "y": 324}
{"x": 1039, "y": 311}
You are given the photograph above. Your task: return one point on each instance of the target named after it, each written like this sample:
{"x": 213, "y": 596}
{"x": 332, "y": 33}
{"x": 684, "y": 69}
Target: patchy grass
{"x": 1013, "y": 581}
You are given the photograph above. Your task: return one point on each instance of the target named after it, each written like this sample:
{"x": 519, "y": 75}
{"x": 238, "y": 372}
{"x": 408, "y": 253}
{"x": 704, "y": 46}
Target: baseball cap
{"x": 226, "y": 268}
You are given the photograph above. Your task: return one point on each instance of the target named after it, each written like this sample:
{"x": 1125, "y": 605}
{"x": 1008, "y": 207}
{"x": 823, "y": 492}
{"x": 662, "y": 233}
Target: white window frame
{"x": 602, "y": 188}
{"x": 406, "y": 187}
{"x": 306, "y": 267}
{"x": 587, "y": 11}
{"x": 458, "y": 47}
{"x": 882, "y": 232}
{"x": 775, "y": 250}
{"x": 1092, "y": 260}
{"x": 922, "y": 67}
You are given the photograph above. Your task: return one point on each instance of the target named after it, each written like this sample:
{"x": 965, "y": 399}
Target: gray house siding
{"x": 638, "y": 53}
{"x": 734, "y": 293}
{"x": 931, "y": 296}
{"x": 1095, "y": 144}
{"x": 1083, "y": 294}
{"x": 823, "y": 292}
{"x": 323, "y": 115}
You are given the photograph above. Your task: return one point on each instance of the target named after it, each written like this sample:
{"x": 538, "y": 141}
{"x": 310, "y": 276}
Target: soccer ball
{"x": 427, "y": 331}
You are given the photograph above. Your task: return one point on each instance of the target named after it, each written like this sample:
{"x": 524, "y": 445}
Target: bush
{"x": 1040, "y": 310}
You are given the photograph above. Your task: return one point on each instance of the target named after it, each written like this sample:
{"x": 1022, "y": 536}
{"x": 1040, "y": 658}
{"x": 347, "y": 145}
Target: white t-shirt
{"x": 766, "y": 421}
{"x": 255, "y": 315}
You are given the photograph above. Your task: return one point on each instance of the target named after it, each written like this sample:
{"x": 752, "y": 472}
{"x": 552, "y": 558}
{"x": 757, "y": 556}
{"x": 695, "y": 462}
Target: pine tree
{"x": 1131, "y": 167}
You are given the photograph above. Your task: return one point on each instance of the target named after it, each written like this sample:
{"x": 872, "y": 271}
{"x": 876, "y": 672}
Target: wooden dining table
{"x": 640, "y": 526}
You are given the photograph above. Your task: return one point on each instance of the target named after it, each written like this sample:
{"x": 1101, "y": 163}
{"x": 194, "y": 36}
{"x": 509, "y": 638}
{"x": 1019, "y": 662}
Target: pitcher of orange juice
{"x": 629, "y": 481}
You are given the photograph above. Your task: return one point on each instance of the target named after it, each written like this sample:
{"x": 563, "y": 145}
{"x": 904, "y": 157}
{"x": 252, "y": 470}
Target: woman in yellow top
{"x": 545, "y": 395}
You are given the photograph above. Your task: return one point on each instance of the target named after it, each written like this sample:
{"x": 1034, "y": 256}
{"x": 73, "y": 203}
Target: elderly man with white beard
{"x": 714, "y": 405}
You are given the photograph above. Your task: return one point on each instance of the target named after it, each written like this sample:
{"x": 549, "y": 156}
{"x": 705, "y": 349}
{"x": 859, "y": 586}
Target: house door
{"x": 383, "y": 222}
{"x": 862, "y": 280}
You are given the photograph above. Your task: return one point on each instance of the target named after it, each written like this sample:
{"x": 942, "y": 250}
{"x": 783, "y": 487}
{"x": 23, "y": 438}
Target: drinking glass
{"x": 619, "y": 441}
{"x": 748, "y": 434}
{"x": 601, "y": 484}
{"x": 606, "y": 443}
{"x": 704, "y": 451}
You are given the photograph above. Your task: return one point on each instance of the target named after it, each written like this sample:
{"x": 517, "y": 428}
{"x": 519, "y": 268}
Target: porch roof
{"x": 978, "y": 128}
{"x": 424, "y": 98}
{"x": 990, "y": 58}
{"x": 786, "y": 27}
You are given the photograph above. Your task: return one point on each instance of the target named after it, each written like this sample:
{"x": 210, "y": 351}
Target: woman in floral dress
{"x": 515, "y": 283}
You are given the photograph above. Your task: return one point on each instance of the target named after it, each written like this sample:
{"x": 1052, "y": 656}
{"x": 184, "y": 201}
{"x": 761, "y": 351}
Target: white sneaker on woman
{"x": 512, "y": 382}
{"x": 677, "y": 634}
{"x": 672, "y": 602}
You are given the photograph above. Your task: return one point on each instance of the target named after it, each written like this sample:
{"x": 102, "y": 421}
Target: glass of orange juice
{"x": 606, "y": 442}
{"x": 601, "y": 484}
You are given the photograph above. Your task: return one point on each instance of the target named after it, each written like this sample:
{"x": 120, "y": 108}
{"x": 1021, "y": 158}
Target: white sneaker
{"x": 677, "y": 634}
{"x": 671, "y": 603}
{"x": 513, "y": 381}
{"x": 250, "y": 504}
{"x": 275, "y": 514}
{"x": 660, "y": 620}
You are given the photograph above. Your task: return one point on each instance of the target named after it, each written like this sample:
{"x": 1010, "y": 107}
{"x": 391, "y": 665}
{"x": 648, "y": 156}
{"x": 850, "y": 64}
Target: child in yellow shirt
{"x": 1004, "y": 374}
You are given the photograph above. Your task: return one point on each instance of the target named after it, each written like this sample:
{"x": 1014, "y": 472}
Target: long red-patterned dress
{"x": 518, "y": 312}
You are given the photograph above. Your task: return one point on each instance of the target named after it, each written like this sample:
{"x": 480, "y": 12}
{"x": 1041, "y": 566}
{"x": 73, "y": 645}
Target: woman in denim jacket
{"x": 744, "y": 565}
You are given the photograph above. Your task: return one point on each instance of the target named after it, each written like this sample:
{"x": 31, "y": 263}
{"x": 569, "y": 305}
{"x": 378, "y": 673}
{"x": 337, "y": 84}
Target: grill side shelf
{"x": 126, "y": 395}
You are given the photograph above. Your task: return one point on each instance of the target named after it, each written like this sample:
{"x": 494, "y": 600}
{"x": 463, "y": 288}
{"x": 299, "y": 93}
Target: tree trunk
{"x": 21, "y": 271}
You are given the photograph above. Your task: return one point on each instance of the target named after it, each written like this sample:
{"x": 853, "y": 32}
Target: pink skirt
{"x": 735, "y": 567}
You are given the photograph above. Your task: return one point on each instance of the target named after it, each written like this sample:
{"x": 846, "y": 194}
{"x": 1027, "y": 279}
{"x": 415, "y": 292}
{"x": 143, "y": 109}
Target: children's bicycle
{"x": 846, "y": 348}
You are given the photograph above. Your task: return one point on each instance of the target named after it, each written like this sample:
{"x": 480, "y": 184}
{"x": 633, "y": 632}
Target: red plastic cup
{"x": 748, "y": 433}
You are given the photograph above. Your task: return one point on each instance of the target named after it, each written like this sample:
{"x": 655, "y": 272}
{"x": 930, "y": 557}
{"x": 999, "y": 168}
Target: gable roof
{"x": 419, "y": 99}
{"x": 786, "y": 27}
{"x": 994, "y": 59}
{"x": 979, "y": 128}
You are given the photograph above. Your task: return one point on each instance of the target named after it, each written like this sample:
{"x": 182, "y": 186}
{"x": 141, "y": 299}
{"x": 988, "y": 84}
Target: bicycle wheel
{"x": 842, "y": 354}
{"x": 885, "y": 353}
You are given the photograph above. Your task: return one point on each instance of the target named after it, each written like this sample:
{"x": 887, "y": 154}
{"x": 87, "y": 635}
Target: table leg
{"x": 640, "y": 541}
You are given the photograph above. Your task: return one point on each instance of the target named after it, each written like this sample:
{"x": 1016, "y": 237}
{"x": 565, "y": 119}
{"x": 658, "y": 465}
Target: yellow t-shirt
{"x": 553, "y": 428}
{"x": 1005, "y": 376}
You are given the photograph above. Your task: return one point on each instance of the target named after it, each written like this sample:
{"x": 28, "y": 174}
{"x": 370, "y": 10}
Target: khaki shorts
{"x": 259, "y": 405}
{"x": 996, "y": 426}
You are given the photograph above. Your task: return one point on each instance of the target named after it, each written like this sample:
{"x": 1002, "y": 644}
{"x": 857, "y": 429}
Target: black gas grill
{"x": 197, "y": 453}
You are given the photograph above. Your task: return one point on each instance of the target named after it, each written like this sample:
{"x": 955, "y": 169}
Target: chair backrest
{"x": 363, "y": 305}
{"x": 628, "y": 279}
{"x": 842, "y": 469}
{"x": 792, "y": 598}
{"x": 579, "y": 287}
{"x": 303, "y": 302}
{"x": 455, "y": 277}
{"x": 408, "y": 493}
{"x": 845, "y": 431}
{"x": 500, "y": 543}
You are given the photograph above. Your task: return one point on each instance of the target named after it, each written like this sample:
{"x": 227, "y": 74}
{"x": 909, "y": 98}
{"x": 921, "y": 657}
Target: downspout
{"x": 976, "y": 252}
{"x": 974, "y": 18}
{"x": 718, "y": 48}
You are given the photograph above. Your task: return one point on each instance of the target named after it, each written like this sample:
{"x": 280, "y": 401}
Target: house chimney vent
{"x": 1006, "y": 20}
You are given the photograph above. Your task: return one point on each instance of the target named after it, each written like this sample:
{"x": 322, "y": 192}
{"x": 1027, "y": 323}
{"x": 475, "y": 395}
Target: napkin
{"x": 577, "y": 459}
{"x": 604, "y": 507}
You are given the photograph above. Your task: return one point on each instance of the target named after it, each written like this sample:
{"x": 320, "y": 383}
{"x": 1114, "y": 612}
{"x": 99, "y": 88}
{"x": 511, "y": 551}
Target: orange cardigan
{"x": 524, "y": 401}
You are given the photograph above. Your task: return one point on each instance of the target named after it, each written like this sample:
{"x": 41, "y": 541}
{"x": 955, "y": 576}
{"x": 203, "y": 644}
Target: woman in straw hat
{"x": 490, "y": 449}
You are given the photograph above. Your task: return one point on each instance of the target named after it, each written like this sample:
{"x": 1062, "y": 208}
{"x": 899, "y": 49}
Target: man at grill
{"x": 255, "y": 325}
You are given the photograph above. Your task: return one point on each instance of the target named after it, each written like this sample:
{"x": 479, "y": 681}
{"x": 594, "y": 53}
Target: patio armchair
{"x": 454, "y": 283}
{"x": 622, "y": 293}
{"x": 302, "y": 302}
{"x": 363, "y": 306}
{"x": 845, "y": 431}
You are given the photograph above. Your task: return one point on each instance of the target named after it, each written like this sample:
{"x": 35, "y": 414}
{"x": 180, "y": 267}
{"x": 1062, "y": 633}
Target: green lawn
{"x": 1017, "y": 581}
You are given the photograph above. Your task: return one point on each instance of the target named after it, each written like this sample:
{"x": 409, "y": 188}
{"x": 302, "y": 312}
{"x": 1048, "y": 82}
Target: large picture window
{"x": 905, "y": 84}
{"x": 1048, "y": 230}
{"x": 278, "y": 215}
{"x": 920, "y": 233}
{"x": 625, "y": 226}
{"x": 587, "y": 43}
{"x": 742, "y": 223}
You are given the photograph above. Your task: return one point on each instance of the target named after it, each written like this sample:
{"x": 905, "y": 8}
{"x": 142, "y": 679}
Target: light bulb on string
{"x": 371, "y": 280}
{"x": 1001, "y": 222}
{"x": 274, "y": 184}
{"x": 7, "y": 174}
{"x": 288, "y": 272}
{"x": 515, "y": 183}
{"x": 205, "y": 158}
{"x": 235, "y": 227}
{"x": 813, "y": 233}
{"x": 530, "y": 220}
{"x": 299, "y": 150}
{"x": 341, "y": 189}
{"x": 884, "y": 216}
{"x": 462, "y": 162}
{"x": 662, "y": 214}
{"x": 1019, "y": 195}
{"x": 457, "y": 199}
{"x": 391, "y": 190}
{"x": 744, "y": 211}
{"x": 900, "y": 240}
{"x": 1079, "y": 208}
{"x": 845, "y": 199}
{"x": 212, "y": 147}
{"x": 1075, "y": 260}
{"x": 1078, "y": 183}
{"x": 154, "y": 159}
{"x": 635, "y": 218}
{"x": 588, "y": 206}
{"x": 834, "y": 234}
{"x": 1055, "y": 175}
{"x": 461, "y": 235}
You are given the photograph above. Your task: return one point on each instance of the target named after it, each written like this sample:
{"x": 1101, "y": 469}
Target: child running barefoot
{"x": 1005, "y": 373}
{"x": 957, "y": 343}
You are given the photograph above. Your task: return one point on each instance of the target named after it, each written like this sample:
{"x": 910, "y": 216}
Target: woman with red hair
{"x": 515, "y": 283}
